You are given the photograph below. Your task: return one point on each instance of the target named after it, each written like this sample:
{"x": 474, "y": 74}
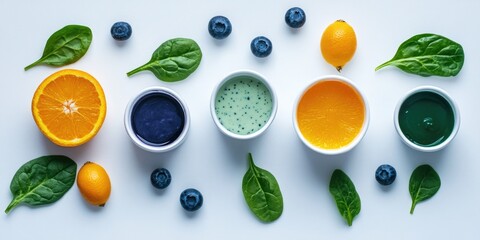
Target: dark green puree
{"x": 426, "y": 118}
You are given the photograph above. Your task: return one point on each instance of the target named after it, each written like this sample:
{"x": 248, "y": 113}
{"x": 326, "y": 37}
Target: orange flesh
{"x": 69, "y": 108}
{"x": 330, "y": 114}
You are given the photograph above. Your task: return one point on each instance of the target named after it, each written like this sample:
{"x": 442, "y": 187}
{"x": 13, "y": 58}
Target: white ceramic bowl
{"x": 359, "y": 136}
{"x": 456, "y": 116}
{"x": 234, "y": 75}
{"x": 128, "y": 120}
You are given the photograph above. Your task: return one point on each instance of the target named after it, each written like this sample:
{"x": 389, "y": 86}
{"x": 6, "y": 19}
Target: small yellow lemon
{"x": 94, "y": 184}
{"x": 338, "y": 44}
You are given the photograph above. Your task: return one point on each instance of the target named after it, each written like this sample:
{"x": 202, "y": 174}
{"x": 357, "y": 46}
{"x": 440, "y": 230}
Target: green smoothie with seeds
{"x": 243, "y": 105}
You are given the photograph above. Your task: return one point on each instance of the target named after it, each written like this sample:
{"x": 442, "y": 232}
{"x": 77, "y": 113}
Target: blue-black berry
{"x": 295, "y": 17}
{"x": 121, "y": 31}
{"x": 160, "y": 178}
{"x": 219, "y": 27}
{"x": 385, "y": 174}
{"x": 191, "y": 199}
{"x": 261, "y": 46}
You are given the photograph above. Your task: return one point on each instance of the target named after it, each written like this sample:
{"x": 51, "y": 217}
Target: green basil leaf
{"x": 42, "y": 180}
{"x": 424, "y": 183}
{"x": 174, "y": 60}
{"x": 427, "y": 55}
{"x": 345, "y": 195}
{"x": 65, "y": 46}
{"x": 262, "y": 193}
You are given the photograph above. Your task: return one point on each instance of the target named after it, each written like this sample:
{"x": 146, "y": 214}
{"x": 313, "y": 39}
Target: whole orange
{"x": 94, "y": 184}
{"x": 338, "y": 44}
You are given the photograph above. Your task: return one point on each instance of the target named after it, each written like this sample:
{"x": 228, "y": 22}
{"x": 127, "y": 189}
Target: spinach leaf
{"x": 345, "y": 195}
{"x": 65, "y": 46}
{"x": 262, "y": 193}
{"x": 42, "y": 180}
{"x": 424, "y": 183}
{"x": 174, "y": 60}
{"x": 427, "y": 55}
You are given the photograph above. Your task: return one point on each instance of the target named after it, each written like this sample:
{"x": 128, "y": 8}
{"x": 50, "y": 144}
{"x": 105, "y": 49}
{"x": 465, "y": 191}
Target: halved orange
{"x": 69, "y": 107}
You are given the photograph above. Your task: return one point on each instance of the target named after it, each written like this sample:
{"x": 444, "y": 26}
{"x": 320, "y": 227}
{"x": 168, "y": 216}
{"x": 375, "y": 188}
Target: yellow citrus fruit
{"x": 69, "y": 107}
{"x": 338, "y": 44}
{"x": 94, "y": 184}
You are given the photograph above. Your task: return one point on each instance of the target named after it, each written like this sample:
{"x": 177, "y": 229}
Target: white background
{"x": 215, "y": 164}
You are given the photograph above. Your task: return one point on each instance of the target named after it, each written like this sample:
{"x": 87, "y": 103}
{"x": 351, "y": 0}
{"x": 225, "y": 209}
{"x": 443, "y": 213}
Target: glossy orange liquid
{"x": 330, "y": 114}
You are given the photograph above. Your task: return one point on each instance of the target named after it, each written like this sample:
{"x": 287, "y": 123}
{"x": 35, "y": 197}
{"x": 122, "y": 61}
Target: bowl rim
{"x": 128, "y": 123}
{"x": 365, "y": 124}
{"x": 442, "y": 93}
{"x": 263, "y": 80}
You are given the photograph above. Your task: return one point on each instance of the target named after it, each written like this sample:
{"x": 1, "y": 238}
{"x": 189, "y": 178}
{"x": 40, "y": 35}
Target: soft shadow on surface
{"x": 74, "y": 153}
{"x": 237, "y": 150}
{"x": 120, "y": 43}
{"x": 190, "y": 215}
{"x": 293, "y": 31}
{"x": 93, "y": 208}
{"x": 220, "y": 42}
{"x": 415, "y": 158}
{"x": 87, "y": 205}
{"x": 21, "y": 205}
{"x": 387, "y": 188}
{"x": 148, "y": 161}
{"x": 323, "y": 165}
{"x": 159, "y": 192}
{"x": 260, "y": 60}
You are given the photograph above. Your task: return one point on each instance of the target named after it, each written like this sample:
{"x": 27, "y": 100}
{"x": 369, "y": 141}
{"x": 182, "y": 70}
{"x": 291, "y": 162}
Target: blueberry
{"x": 121, "y": 31}
{"x": 261, "y": 46}
{"x": 191, "y": 199}
{"x": 219, "y": 27}
{"x": 160, "y": 178}
{"x": 385, "y": 174}
{"x": 295, "y": 17}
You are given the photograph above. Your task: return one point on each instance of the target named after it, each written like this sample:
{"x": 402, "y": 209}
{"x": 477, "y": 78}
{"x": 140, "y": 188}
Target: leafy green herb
{"x": 65, "y": 46}
{"x": 424, "y": 183}
{"x": 427, "y": 55}
{"x": 174, "y": 60}
{"x": 345, "y": 195}
{"x": 42, "y": 180}
{"x": 262, "y": 193}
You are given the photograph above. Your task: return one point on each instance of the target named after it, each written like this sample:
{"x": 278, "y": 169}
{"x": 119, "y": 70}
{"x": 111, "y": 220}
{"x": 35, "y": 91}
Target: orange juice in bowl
{"x": 331, "y": 115}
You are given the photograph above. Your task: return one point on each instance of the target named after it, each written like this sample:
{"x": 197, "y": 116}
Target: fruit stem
{"x": 339, "y": 68}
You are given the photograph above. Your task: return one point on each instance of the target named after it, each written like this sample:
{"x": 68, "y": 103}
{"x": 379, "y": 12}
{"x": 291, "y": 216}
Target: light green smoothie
{"x": 243, "y": 105}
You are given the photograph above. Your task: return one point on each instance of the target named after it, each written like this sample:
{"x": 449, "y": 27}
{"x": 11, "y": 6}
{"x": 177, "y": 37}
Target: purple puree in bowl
{"x": 158, "y": 119}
